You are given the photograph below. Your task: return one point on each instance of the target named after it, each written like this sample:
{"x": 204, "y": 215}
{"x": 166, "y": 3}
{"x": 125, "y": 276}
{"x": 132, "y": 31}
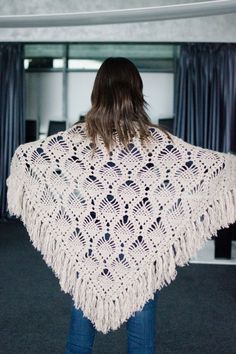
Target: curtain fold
{"x": 12, "y": 110}
{"x": 205, "y": 105}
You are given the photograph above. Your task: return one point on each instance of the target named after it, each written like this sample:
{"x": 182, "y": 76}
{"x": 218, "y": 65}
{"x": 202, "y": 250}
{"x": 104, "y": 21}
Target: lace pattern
{"x": 114, "y": 228}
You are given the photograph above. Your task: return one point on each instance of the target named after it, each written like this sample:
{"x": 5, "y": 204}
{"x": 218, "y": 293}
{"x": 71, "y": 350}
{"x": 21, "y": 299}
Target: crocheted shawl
{"x": 114, "y": 228}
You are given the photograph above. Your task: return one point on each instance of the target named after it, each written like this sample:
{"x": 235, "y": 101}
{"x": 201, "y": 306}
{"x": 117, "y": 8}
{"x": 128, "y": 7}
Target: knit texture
{"x": 114, "y": 228}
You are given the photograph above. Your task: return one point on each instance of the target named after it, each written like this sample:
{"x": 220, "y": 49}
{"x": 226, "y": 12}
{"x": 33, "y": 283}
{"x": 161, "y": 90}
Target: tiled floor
{"x": 206, "y": 255}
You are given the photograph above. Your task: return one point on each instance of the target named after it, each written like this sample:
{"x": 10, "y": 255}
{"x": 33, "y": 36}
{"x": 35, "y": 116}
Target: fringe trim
{"x": 109, "y": 314}
{"x": 15, "y": 193}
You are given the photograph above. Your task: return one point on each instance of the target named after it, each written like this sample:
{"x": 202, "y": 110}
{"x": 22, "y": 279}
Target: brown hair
{"x": 117, "y": 103}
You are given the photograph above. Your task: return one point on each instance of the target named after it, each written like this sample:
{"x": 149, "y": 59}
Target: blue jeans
{"x": 141, "y": 331}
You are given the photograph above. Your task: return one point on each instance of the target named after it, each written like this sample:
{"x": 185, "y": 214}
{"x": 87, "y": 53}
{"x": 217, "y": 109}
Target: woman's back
{"x": 114, "y": 226}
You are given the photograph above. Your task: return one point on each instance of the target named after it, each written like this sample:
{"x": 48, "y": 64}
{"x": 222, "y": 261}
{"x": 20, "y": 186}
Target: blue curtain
{"x": 205, "y": 101}
{"x": 205, "y": 107}
{"x": 12, "y": 110}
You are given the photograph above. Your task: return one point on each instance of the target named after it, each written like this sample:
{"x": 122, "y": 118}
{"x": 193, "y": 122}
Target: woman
{"x": 118, "y": 105}
{"x": 115, "y": 204}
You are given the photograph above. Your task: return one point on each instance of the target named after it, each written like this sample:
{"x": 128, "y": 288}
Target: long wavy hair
{"x": 118, "y": 105}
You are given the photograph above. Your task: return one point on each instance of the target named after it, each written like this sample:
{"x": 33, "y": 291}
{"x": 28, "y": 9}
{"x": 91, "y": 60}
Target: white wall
{"x": 79, "y": 91}
{"x": 159, "y": 93}
{"x": 44, "y": 98}
{"x": 44, "y": 95}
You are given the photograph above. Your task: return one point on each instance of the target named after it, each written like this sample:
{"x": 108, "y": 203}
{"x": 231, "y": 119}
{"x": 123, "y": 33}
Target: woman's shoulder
{"x": 76, "y": 132}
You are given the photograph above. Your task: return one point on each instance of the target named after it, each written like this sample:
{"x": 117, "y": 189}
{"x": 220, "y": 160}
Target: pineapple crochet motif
{"x": 114, "y": 228}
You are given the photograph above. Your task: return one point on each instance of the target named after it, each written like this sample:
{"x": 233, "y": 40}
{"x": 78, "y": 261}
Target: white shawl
{"x": 114, "y": 228}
